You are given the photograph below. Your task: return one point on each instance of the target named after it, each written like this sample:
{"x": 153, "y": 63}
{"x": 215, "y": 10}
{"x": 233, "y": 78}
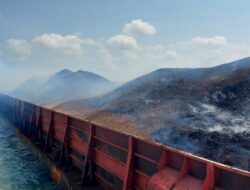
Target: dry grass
{"x": 103, "y": 118}
{"x": 117, "y": 122}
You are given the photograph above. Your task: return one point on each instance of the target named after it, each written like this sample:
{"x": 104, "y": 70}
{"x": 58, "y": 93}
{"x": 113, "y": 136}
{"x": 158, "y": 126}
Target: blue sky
{"x": 118, "y": 39}
{"x": 103, "y": 18}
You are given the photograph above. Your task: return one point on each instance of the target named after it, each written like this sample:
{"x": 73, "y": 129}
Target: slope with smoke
{"x": 63, "y": 86}
{"x": 204, "y": 111}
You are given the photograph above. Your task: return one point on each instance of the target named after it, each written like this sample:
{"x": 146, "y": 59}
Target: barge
{"x": 107, "y": 159}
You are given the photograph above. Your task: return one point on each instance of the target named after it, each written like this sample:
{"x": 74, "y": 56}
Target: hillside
{"x": 63, "y": 86}
{"x": 204, "y": 111}
{"x": 28, "y": 87}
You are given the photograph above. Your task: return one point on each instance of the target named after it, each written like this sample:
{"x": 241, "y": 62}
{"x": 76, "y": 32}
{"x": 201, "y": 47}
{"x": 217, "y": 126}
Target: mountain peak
{"x": 64, "y": 72}
{"x": 80, "y": 71}
{"x": 84, "y": 72}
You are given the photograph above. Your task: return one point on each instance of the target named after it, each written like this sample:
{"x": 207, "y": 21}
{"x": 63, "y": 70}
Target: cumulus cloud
{"x": 208, "y": 51}
{"x": 118, "y": 53}
{"x": 139, "y": 27}
{"x": 161, "y": 52}
{"x": 123, "y": 41}
{"x": 122, "y": 56}
{"x": 48, "y": 43}
{"x": 19, "y": 47}
{"x": 50, "y": 50}
{"x": 216, "y": 40}
{"x": 69, "y": 43}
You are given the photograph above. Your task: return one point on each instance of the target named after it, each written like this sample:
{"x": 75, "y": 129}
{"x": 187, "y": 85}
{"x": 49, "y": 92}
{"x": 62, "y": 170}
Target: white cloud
{"x": 208, "y": 51}
{"x": 123, "y": 42}
{"x": 49, "y": 49}
{"x": 119, "y": 57}
{"x": 139, "y": 27}
{"x": 20, "y": 47}
{"x": 108, "y": 58}
{"x": 215, "y": 41}
{"x": 69, "y": 43}
{"x": 160, "y": 52}
{"x": 89, "y": 41}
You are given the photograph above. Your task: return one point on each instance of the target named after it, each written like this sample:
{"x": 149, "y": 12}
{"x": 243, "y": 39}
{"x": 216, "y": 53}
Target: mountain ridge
{"x": 64, "y": 85}
{"x": 177, "y": 106}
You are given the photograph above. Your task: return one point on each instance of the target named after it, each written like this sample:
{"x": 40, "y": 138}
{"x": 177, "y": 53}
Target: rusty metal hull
{"x": 116, "y": 160}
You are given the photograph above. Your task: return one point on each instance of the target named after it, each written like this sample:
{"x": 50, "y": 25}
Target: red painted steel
{"x": 107, "y": 162}
{"x": 129, "y": 165}
{"x": 88, "y": 155}
{"x": 64, "y": 140}
{"x": 49, "y": 130}
{"x": 165, "y": 179}
{"x": 141, "y": 180}
{"x": 119, "y": 160}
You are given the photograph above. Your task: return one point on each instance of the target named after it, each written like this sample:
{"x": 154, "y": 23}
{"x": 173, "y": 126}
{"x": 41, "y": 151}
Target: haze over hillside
{"x": 63, "y": 86}
{"x": 204, "y": 110}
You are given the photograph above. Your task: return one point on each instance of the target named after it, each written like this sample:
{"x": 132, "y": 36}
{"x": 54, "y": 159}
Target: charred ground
{"x": 204, "y": 111}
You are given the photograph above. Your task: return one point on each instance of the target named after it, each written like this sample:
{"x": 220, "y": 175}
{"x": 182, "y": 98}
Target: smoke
{"x": 172, "y": 137}
{"x": 206, "y": 130}
{"x": 62, "y": 87}
{"x": 12, "y": 77}
{"x": 217, "y": 120}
